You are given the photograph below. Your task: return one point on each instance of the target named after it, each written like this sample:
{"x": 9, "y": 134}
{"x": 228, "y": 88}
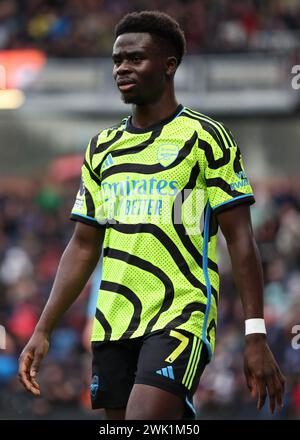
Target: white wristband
{"x": 256, "y": 325}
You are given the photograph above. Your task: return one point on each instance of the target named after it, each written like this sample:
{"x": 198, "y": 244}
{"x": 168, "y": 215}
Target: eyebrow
{"x": 128, "y": 52}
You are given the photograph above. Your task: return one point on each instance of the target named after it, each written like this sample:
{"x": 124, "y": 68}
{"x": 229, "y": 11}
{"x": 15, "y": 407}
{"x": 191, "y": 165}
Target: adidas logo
{"x": 108, "y": 162}
{"x": 167, "y": 372}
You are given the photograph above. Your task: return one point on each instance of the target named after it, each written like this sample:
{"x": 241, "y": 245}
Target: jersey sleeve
{"x": 223, "y": 171}
{"x": 88, "y": 206}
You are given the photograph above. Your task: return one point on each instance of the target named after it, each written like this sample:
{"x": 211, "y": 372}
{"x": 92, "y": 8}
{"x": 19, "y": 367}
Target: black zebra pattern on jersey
{"x": 140, "y": 147}
{"x": 186, "y": 314}
{"x": 223, "y": 185}
{"x": 154, "y": 270}
{"x": 104, "y": 323}
{"x": 104, "y": 145}
{"x": 129, "y": 150}
{"x": 127, "y": 293}
{"x": 154, "y": 168}
{"x": 180, "y": 229}
{"x": 169, "y": 245}
{"x": 212, "y": 325}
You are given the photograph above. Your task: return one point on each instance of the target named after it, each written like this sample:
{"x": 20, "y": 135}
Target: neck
{"x": 144, "y": 116}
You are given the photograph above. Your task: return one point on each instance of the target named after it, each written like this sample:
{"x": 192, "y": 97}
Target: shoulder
{"x": 106, "y": 137}
{"x": 209, "y": 128}
{"x": 109, "y": 132}
{"x": 100, "y": 142}
{"x": 120, "y": 126}
{"x": 204, "y": 122}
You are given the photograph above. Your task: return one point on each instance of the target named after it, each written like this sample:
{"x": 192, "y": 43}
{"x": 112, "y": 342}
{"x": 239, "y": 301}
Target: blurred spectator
{"x": 35, "y": 229}
{"x": 83, "y": 28}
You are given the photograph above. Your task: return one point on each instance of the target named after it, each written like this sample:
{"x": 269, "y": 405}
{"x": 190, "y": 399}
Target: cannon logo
{"x": 94, "y": 386}
{"x": 2, "y": 338}
{"x": 167, "y": 154}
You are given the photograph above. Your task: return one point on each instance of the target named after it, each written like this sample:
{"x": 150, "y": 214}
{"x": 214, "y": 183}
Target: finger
{"x": 272, "y": 393}
{"x": 279, "y": 384}
{"x": 253, "y": 389}
{"x": 24, "y": 375}
{"x": 24, "y": 368}
{"x": 35, "y": 384}
{"x": 248, "y": 380}
{"x": 32, "y": 386}
{"x": 262, "y": 393}
{"x": 35, "y": 391}
{"x": 254, "y": 392}
{"x": 279, "y": 403}
{"x": 38, "y": 356}
{"x": 281, "y": 380}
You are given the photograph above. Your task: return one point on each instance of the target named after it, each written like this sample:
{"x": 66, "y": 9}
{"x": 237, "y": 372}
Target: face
{"x": 140, "y": 68}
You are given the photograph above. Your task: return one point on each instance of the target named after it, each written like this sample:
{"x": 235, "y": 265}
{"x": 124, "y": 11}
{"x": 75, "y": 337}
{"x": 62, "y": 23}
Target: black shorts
{"x": 169, "y": 359}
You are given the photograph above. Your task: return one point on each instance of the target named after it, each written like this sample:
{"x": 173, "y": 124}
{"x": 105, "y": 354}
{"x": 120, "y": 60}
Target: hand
{"x": 262, "y": 372}
{"x": 30, "y": 360}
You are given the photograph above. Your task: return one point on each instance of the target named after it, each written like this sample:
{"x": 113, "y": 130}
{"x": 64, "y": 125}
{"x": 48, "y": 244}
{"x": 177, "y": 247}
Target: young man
{"x": 154, "y": 328}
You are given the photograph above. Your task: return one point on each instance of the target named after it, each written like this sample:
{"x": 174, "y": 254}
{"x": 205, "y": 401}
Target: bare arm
{"x": 261, "y": 370}
{"x": 77, "y": 263}
{"x": 236, "y": 226}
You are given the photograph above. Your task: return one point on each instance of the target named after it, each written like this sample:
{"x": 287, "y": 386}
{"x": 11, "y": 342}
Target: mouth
{"x": 125, "y": 86}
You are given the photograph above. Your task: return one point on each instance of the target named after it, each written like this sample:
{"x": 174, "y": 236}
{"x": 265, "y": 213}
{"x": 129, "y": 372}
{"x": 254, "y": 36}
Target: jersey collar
{"x": 132, "y": 129}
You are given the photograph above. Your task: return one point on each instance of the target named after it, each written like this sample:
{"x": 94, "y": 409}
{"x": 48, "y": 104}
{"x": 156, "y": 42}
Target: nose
{"x": 123, "y": 68}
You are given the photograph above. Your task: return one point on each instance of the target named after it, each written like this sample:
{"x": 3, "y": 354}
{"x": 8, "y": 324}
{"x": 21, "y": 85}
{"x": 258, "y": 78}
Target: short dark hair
{"x": 156, "y": 23}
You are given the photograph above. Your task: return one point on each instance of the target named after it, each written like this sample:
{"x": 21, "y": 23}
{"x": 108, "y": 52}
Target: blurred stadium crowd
{"x": 34, "y": 230}
{"x": 34, "y": 226}
{"x": 83, "y": 28}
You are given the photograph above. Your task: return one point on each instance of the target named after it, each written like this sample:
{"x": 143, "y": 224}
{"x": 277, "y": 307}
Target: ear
{"x": 172, "y": 65}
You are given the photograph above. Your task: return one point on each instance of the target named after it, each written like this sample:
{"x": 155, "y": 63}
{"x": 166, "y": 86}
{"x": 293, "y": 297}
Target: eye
{"x": 136, "y": 59}
{"x": 117, "y": 61}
